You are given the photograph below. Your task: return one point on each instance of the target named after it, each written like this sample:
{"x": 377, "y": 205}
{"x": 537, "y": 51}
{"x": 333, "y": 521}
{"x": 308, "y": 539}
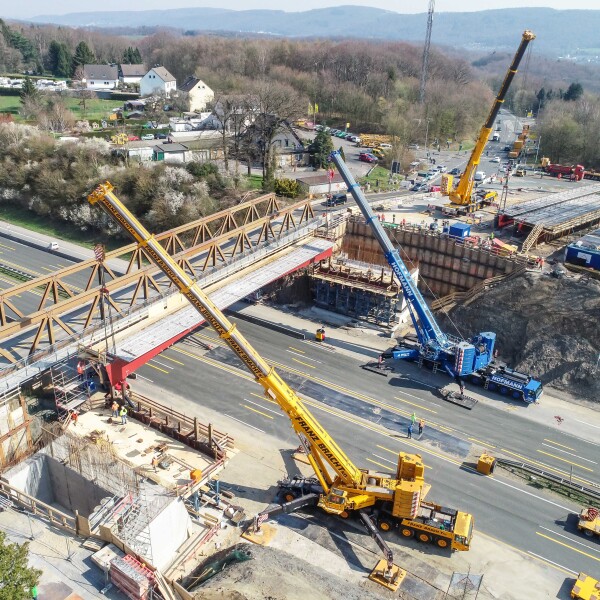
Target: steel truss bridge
{"x": 71, "y": 300}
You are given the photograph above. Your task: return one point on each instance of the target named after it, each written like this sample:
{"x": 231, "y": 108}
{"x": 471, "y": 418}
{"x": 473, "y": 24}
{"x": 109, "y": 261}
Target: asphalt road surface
{"x": 368, "y": 415}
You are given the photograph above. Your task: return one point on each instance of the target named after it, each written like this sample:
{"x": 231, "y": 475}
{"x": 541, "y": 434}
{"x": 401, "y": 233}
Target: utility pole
{"x": 426, "y": 47}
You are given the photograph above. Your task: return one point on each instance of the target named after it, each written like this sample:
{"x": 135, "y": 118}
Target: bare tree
{"x": 277, "y": 105}
{"x": 81, "y": 90}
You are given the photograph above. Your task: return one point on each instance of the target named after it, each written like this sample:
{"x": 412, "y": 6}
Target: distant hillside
{"x": 559, "y": 31}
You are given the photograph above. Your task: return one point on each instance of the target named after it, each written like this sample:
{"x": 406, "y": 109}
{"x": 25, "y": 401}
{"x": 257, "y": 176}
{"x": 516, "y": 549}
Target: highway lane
{"x": 496, "y": 428}
{"x": 525, "y": 518}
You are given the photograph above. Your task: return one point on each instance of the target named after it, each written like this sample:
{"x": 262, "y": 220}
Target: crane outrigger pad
{"x": 389, "y": 579}
{"x": 458, "y": 398}
{"x": 261, "y": 537}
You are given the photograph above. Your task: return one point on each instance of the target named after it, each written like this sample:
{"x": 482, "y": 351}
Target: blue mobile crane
{"x": 472, "y": 359}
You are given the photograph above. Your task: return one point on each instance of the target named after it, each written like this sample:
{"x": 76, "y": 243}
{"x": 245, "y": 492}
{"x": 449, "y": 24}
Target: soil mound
{"x": 545, "y": 326}
{"x": 276, "y": 575}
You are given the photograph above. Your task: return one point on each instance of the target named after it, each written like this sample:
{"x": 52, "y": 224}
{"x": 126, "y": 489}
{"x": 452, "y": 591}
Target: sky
{"x": 31, "y": 8}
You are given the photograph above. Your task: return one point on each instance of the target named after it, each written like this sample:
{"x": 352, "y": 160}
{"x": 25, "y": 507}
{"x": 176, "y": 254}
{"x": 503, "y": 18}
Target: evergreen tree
{"x": 323, "y": 148}
{"x": 136, "y": 58}
{"x": 131, "y": 56}
{"x": 16, "y": 577}
{"x": 29, "y": 90}
{"x": 83, "y": 56}
{"x": 574, "y": 92}
{"x": 59, "y": 59}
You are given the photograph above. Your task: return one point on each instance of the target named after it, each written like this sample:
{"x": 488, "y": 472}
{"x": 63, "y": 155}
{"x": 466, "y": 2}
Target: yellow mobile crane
{"x": 463, "y": 194}
{"x": 388, "y": 501}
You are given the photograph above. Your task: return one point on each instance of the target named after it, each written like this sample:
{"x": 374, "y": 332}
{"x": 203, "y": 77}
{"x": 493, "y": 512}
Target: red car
{"x": 366, "y": 157}
{"x": 133, "y": 138}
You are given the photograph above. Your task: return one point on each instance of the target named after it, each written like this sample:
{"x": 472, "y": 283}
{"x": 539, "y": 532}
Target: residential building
{"x": 132, "y": 73}
{"x": 157, "y": 81}
{"x": 315, "y": 185}
{"x": 172, "y": 153}
{"x": 100, "y": 77}
{"x": 198, "y": 92}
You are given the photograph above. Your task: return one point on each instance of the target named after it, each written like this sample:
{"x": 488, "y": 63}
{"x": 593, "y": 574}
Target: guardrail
{"x": 592, "y": 492}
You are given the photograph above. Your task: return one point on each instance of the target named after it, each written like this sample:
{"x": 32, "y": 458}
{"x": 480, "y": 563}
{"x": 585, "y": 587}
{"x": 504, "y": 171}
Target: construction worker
{"x": 74, "y": 417}
{"x": 410, "y": 429}
{"x": 123, "y": 415}
{"x": 80, "y": 370}
{"x": 421, "y": 426}
{"x": 461, "y": 386}
{"x": 413, "y": 418}
{"x": 115, "y": 408}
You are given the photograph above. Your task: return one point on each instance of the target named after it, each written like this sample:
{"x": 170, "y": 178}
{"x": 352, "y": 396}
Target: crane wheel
{"x": 441, "y": 543}
{"x": 424, "y": 537}
{"x": 384, "y": 525}
{"x": 589, "y": 533}
{"x": 289, "y": 496}
{"x": 407, "y": 532}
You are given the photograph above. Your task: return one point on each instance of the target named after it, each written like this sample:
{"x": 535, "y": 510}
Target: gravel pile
{"x": 545, "y": 326}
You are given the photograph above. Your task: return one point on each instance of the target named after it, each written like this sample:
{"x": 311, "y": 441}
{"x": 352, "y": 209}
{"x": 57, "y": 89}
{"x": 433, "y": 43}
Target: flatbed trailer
{"x": 586, "y": 588}
{"x": 434, "y": 524}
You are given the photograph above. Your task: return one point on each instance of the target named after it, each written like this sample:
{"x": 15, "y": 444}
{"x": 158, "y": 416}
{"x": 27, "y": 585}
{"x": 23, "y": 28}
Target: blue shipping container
{"x": 459, "y": 230}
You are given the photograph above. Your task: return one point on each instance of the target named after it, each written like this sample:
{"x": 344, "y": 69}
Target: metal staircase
{"x": 69, "y": 391}
{"x": 532, "y": 238}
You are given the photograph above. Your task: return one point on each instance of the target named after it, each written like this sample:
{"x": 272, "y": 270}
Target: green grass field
{"x": 378, "y": 178}
{"x": 95, "y": 108}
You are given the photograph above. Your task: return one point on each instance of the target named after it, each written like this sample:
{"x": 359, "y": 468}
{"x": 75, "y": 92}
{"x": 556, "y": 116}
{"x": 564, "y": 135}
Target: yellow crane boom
{"x": 464, "y": 190}
{"x": 321, "y": 449}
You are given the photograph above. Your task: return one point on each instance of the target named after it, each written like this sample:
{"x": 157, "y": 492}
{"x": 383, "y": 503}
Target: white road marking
{"x": 146, "y": 378}
{"x": 570, "y": 453}
{"x": 552, "y": 562}
{"x": 532, "y": 495}
{"x": 275, "y": 412}
{"x": 570, "y": 539}
{"x": 586, "y": 423}
{"x": 305, "y": 357}
{"x": 246, "y": 424}
{"x": 161, "y": 364}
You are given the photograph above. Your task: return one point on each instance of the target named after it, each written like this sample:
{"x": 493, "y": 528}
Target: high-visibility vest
{"x": 123, "y": 411}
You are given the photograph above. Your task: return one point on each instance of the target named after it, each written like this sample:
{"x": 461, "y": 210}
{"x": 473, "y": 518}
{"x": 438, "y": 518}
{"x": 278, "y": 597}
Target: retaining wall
{"x": 445, "y": 265}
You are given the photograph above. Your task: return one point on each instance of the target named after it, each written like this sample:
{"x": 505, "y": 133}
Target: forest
{"x": 372, "y": 85}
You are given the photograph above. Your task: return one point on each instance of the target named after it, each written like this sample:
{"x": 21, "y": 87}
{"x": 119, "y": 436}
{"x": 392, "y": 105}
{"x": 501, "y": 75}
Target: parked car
{"x": 520, "y": 172}
{"x": 385, "y": 146}
{"x": 496, "y": 159}
{"x": 148, "y": 136}
{"x": 507, "y": 148}
{"x": 133, "y": 138}
{"x": 53, "y": 246}
{"x": 420, "y": 187}
{"x": 161, "y": 136}
{"x": 378, "y": 153}
{"x": 432, "y": 172}
{"x": 435, "y": 188}
{"x": 368, "y": 158}
{"x": 442, "y": 168}
{"x": 455, "y": 171}
{"x": 336, "y": 199}
{"x": 413, "y": 146}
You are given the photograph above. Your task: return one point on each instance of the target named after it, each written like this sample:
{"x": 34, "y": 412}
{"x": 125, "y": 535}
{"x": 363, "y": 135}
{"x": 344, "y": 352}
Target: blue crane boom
{"x": 457, "y": 357}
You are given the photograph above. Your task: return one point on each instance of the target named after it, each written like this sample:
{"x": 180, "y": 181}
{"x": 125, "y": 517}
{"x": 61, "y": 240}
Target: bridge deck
{"x": 137, "y": 349}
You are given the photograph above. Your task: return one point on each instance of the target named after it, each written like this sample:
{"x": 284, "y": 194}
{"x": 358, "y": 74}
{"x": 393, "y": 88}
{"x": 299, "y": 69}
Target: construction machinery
{"x": 586, "y": 588}
{"x": 464, "y": 194}
{"x": 339, "y": 488}
{"x": 459, "y": 358}
{"x": 589, "y": 521}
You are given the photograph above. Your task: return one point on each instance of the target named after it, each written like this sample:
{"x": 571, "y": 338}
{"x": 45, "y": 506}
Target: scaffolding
{"x": 366, "y": 292}
{"x": 71, "y": 389}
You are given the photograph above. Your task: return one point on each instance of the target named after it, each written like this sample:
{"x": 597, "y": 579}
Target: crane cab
{"x": 334, "y": 502}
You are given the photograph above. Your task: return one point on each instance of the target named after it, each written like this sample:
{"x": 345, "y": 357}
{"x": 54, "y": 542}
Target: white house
{"x": 156, "y": 81}
{"x": 132, "y": 73}
{"x": 172, "y": 153}
{"x": 199, "y": 93}
{"x": 100, "y": 77}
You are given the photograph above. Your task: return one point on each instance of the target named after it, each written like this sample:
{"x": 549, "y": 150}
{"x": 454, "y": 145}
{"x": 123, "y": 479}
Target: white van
{"x": 479, "y": 176}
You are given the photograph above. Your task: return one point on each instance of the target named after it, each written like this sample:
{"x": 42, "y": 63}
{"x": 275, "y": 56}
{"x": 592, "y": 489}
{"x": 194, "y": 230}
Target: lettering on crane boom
{"x": 335, "y": 463}
{"x": 118, "y": 217}
{"x": 507, "y": 382}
